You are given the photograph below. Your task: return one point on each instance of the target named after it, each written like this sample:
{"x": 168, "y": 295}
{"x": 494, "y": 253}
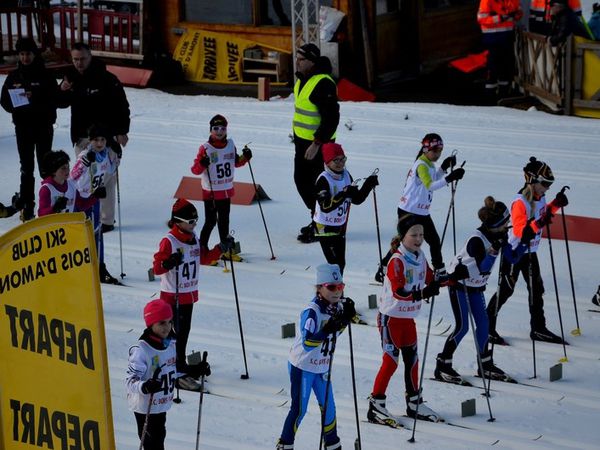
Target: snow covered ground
{"x": 495, "y": 142}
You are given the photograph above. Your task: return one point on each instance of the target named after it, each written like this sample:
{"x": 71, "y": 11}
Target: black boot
{"x": 491, "y": 371}
{"x": 542, "y": 334}
{"x": 445, "y": 372}
{"x": 596, "y": 297}
{"x": 106, "y": 277}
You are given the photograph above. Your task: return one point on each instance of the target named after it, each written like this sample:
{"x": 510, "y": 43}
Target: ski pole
{"x": 145, "y": 427}
{"x": 358, "y": 440}
{"x": 204, "y": 355}
{"x": 412, "y": 438}
{"x": 530, "y": 277}
{"x": 327, "y": 386}
{"x": 260, "y": 207}
{"x": 496, "y": 306}
{"x": 477, "y": 349}
{"x": 179, "y": 250}
{"x": 562, "y": 333}
{"x": 377, "y": 220}
{"x": 576, "y": 331}
{"x": 243, "y": 376}
{"x": 451, "y": 206}
{"x": 120, "y": 222}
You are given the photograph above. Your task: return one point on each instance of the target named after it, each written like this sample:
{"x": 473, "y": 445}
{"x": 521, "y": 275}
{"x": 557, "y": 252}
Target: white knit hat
{"x": 328, "y": 273}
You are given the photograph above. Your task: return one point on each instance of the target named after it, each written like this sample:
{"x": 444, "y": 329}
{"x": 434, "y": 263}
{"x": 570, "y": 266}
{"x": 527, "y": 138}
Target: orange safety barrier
{"x": 131, "y": 76}
{"x": 470, "y": 63}
{"x": 190, "y": 188}
{"x": 350, "y": 92}
{"x": 579, "y": 228}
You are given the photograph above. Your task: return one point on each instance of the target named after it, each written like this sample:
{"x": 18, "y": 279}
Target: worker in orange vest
{"x": 497, "y": 19}
{"x": 540, "y": 20}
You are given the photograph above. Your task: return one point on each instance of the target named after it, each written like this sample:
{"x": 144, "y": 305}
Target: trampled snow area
{"x": 495, "y": 142}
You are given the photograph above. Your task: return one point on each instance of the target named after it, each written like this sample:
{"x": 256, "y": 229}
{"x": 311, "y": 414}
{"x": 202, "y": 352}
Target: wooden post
{"x": 264, "y": 89}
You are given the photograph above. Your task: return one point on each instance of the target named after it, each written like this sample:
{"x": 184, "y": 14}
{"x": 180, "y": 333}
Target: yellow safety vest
{"x": 306, "y": 115}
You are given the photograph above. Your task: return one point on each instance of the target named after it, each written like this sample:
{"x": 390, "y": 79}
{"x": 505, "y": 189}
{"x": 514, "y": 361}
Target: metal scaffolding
{"x": 305, "y": 24}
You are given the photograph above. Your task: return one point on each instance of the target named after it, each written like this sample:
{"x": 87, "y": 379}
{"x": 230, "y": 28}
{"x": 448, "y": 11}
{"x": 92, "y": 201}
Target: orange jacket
{"x": 498, "y": 15}
{"x": 540, "y": 9}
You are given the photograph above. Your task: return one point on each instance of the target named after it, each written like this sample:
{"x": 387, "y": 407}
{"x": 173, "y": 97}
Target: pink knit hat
{"x": 157, "y": 310}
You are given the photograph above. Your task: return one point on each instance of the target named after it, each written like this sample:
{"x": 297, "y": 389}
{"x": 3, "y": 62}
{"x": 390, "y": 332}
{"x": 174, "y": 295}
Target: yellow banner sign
{"x": 54, "y": 388}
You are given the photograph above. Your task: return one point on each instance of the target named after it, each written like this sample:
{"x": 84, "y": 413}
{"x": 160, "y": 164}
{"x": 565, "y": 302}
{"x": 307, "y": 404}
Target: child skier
{"x": 424, "y": 178}
{"x": 94, "y": 166}
{"x": 177, "y": 263}
{"x": 58, "y": 193}
{"x": 335, "y": 192}
{"x": 408, "y": 280}
{"x": 310, "y": 356}
{"x": 152, "y": 374}
{"x": 470, "y": 269}
{"x": 529, "y": 215}
{"x": 215, "y": 163}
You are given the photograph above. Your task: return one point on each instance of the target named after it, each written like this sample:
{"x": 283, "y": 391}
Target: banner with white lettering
{"x": 54, "y": 387}
{"x": 209, "y": 57}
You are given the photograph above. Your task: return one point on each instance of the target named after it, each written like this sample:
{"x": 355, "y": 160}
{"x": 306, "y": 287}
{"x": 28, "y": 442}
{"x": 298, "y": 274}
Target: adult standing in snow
{"x": 565, "y": 23}
{"x": 96, "y": 96}
{"x": 316, "y": 117}
{"x": 33, "y": 118}
{"x": 529, "y": 215}
{"x": 498, "y": 19}
{"x": 309, "y": 365}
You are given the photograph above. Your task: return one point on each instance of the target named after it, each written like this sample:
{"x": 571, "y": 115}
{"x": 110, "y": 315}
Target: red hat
{"x": 157, "y": 310}
{"x": 183, "y": 210}
{"x": 331, "y": 150}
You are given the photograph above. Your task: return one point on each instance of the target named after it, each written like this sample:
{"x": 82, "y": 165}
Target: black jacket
{"x": 565, "y": 23}
{"x": 44, "y": 89}
{"x": 97, "y": 97}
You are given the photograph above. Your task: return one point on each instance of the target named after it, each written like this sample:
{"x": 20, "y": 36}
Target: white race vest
{"x": 188, "y": 269}
{"x": 539, "y": 209}
{"x": 97, "y": 174}
{"x": 415, "y": 270}
{"x": 476, "y": 279}
{"x": 416, "y": 198}
{"x": 140, "y": 356}
{"x": 339, "y": 215}
{"x": 70, "y": 194}
{"x": 221, "y": 168}
{"x": 318, "y": 359}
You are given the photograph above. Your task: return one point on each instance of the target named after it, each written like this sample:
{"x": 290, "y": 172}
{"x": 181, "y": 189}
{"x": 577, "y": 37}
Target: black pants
{"x": 215, "y": 213}
{"x": 32, "y": 141}
{"x": 334, "y": 249}
{"x": 182, "y": 323}
{"x": 501, "y": 60}
{"x": 306, "y": 173}
{"x": 155, "y": 431}
{"x": 431, "y": 237}
{"x": 510, "y": 275}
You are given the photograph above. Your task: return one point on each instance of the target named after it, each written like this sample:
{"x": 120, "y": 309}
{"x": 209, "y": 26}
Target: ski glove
{"x": 499, "y": 241}
{"x": 371, "y": 181}
{"x": 431, "y": 290}
{"x": 99, "y": 192}
{"x": 351, "y": 191}
{"x": 528, "y": 234}
{"x": 455, "y": 175}
{"x": 173, "y": 260}
{"x": 227, "y": 244}
{"x": 16, "y": 202}
{"x": 450, "y": 161}
{"x": 349, "y": 309}
{"x": 560, "y": 200}
{"x": 205, "y": 161}
{"x": 247, "y": 153}
{"x": 60, "y": 204}
{"x": 88, "y": 158}
{"x": 199, "y": 370}
{"x": 544, "y": 220}
{"x": 152, "y": 386}
{"x": 461, "y": 272}
{"x": 335, "y": 323}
